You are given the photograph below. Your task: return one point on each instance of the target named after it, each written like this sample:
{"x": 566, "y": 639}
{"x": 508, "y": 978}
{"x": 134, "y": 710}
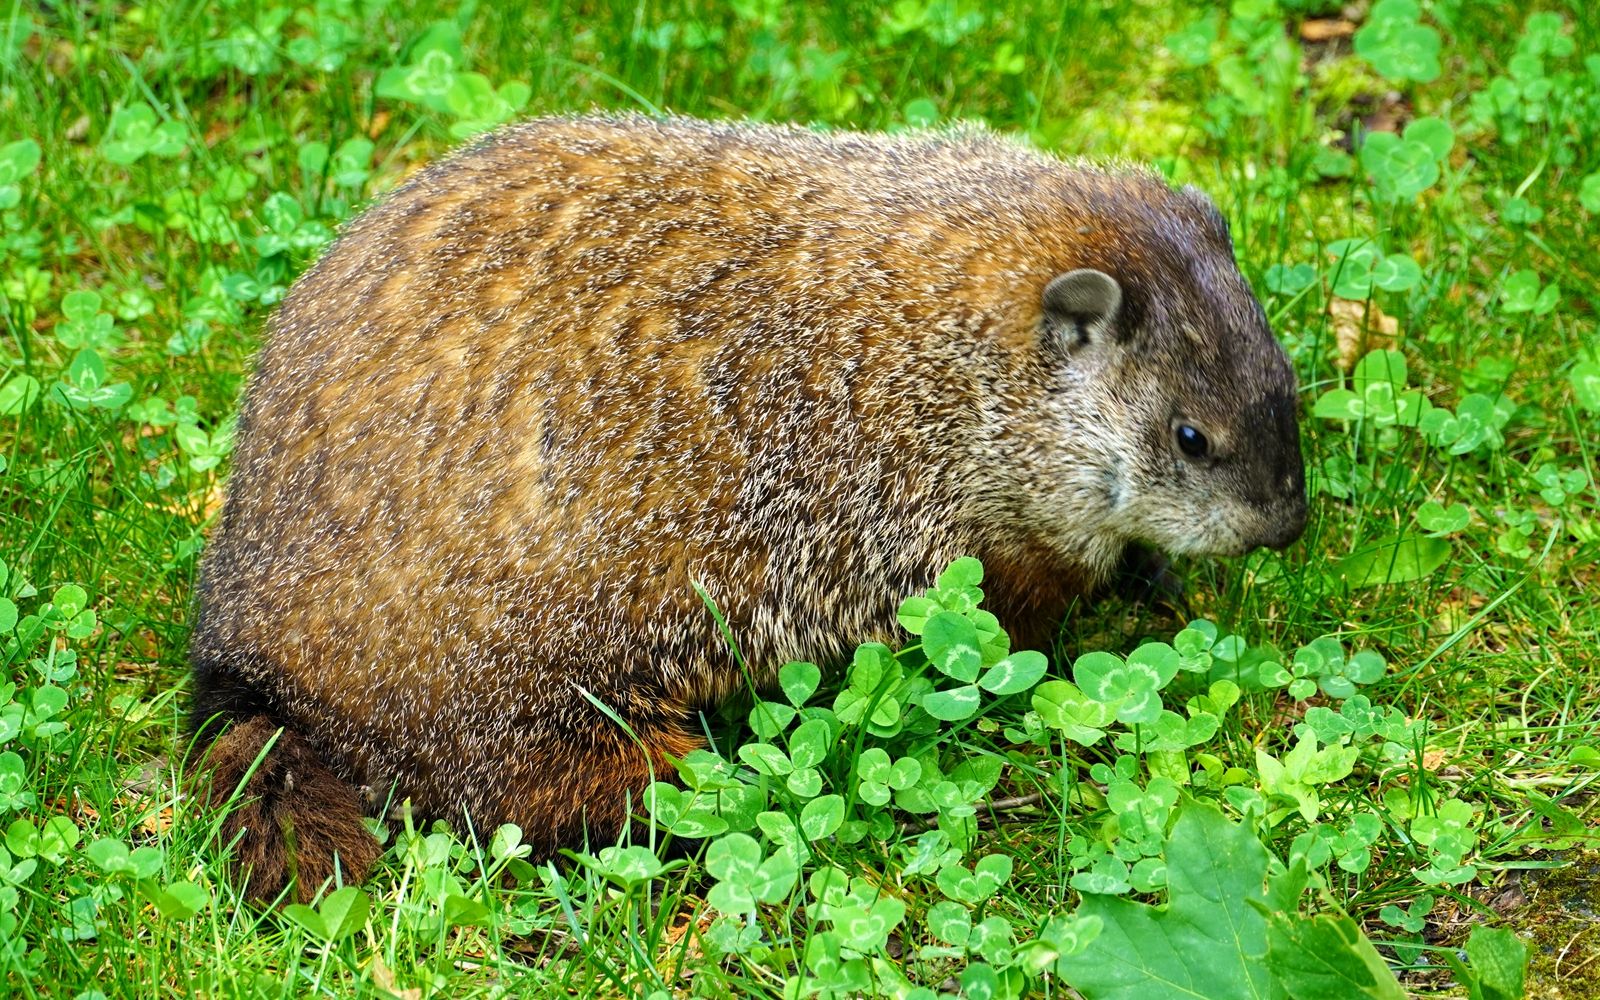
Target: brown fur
{"x": 522, "y": 403}
{"x": 291, "y": 800}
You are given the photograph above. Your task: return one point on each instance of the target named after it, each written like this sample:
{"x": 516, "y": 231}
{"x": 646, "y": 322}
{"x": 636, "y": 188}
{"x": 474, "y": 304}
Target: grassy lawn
{"x": 1358, "y": 768}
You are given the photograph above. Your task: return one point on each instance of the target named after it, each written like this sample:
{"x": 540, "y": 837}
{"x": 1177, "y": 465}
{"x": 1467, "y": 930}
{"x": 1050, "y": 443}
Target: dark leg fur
{"x": 294, "y": 820}
{"x": 1145, "y": 577}
{"x": 588, "y": 784}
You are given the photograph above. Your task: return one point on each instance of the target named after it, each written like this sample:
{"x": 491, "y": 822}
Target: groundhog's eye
{"x": 1191, "y": 442}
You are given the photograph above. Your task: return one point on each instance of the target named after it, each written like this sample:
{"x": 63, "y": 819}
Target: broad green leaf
{"x": 1499, "y": 962}
{"x": 950, "y": 922}
{"x": 1327, "y": 958}
{"x": 766, "y": 758}
{"x": 1393, "y": 560}
{"x": 1207, "y": 943}
{"x": 1380, "y": 367}
{"x": 735, "y": 861}
{"x": 629, "y": 865}
{"x": 308, "y": 919}
{"x": 1397, "y": 273}
{"x": 1400, "y": 168}
{"x": 1520, "y": 292}
{"x": 808, "y": 744}
{"x": 769, "y": 718}
{"x": 464, "y": 911}
{"x": 17, "y": 160}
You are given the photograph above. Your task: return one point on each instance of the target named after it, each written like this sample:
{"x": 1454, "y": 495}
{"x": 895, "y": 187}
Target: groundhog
{"x": 523, "y": 404}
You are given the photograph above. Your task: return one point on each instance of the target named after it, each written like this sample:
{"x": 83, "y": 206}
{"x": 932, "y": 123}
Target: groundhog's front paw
{"x": 1145, "y": 577}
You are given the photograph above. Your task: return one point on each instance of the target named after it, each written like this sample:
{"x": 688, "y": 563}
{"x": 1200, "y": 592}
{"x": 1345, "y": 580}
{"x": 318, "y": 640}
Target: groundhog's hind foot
{"x": 294, "y": 821}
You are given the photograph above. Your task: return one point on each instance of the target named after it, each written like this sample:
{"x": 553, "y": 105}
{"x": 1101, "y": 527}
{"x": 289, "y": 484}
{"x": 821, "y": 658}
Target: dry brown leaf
{"x": 1326, "y": 29}
{"x": 1359, "y": 327}
{"x": 383, "y": 979}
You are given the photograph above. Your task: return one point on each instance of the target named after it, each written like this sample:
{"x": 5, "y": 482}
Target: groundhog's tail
{"x": 292, "y": 821}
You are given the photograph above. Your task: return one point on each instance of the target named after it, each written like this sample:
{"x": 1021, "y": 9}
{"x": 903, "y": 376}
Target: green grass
{"x": 265, "y": 125}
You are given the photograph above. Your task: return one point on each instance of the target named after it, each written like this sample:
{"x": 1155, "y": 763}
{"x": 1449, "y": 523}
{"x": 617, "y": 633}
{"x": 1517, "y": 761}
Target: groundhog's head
{"x": 1174, "y": 405}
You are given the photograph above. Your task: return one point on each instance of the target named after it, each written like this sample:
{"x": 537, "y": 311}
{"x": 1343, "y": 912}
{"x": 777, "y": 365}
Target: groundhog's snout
{"x": 1287, "y": 528}
{"x": 1285, "y": 521}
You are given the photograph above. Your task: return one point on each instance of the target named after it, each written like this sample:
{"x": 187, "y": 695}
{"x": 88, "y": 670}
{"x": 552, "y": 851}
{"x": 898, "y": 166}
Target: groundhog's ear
{"x": 1080, "y": 306}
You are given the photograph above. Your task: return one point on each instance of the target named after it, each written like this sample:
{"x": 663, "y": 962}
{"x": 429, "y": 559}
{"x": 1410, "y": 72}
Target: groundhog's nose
{"x": 1285, "y": 520}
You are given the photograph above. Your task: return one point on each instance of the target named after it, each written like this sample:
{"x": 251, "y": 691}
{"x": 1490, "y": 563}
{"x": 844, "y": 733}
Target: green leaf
{"x": 951, "y": 642}
{"x": 1397, "y": 273}
{"x": 629, "y": 866}
{"x": 769, "y": 718}
{"x": 180, "y": 901}
{"x": 344, "y": 912}
{"x": 1400, "y": 168}
{"x": 1499, "y": 962}
{"x": 973, "y": 887}
{"x": 1584, "y": 378}
{"x": 914, "y": 613}
{"x": 308, "y": 919}
{"x": 17, "y": 160}
{"x": 733, "y": 858}
{"x": 1061, "y": 705}
{"x": 766, "y": 759}
{"x": 1435, "y": 517}
{"x": 1131, "y": 687}
{"x": 464, "y": 911}
{"x": 1159, "y": 657}
{"x": 18, "y": 394}
{"x": 953, "y": 705}
{"x": 808, "y": 745}
{"x": 1354, "y": 260}
{"x": 822, "y": 816}
{"x": 69, "y": 600}
{"x": 1207, "y": 943}
{"x": 1589, "y": 193}
{"x": 799, "y": 682}
{"x": 1397, "y": 45}
{"x": 950, "y": 922}
{"x": 1380, "y": 367}
{"x": 1393, "y": 560}
{"x": 1327, "y": 958}
{"x": 1014, "y": 674}
{"x": 1339, "y": 404}
{"x": 1520, "y": 293}
{"x": 1434, "y": 133}
{"x": 1284, "y": 279}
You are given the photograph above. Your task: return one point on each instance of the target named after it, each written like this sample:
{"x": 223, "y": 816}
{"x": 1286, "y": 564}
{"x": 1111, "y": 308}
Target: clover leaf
{"x": 1131, "y": 686}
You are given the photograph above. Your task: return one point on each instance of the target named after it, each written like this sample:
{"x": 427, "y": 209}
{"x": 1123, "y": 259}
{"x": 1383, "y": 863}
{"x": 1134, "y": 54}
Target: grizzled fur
{"x": 522, "y": 403}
